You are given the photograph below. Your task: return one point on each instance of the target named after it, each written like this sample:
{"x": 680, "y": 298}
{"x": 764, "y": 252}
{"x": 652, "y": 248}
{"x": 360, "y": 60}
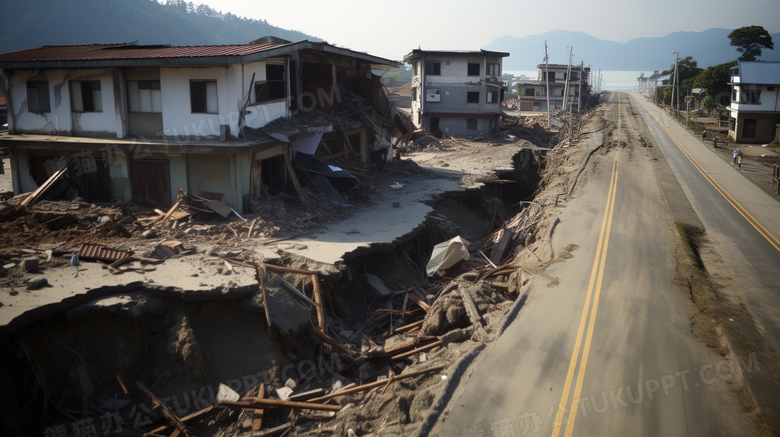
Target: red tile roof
{"x": 127, "y": 51}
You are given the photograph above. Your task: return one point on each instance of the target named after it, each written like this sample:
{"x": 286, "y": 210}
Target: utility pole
{"x": 674, "y": 82}
{"x": 547, "y": 81}
{"x": 567, "y": 79}
{"x": 579, "y": 86}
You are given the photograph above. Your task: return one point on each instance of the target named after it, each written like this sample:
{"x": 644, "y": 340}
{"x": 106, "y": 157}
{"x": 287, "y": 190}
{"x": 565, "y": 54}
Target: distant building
{"x": 755, "y": 107}
{"x": 457, "y": 92}
{"x": 533, "y": 93}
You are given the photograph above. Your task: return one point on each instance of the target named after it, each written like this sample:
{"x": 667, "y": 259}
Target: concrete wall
{"x": 224, "y": 174}
{"x": 459, "y": 125}
{"x": 765, "y": 127}
{"x": 61, "y": 120}
{"x": 768, "y": 100}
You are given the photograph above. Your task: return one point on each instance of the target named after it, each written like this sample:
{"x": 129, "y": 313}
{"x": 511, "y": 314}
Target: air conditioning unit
{"x": 433, "y": 96}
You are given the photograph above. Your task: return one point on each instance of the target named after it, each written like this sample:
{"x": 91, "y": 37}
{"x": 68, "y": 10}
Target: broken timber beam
{"x": 257, "y": 419}
{"x": 175, "y": 421}
{"x": 293, "y": 175}
{"x": 409, "y": 326}
{"x": 369, "y": 386}
{"x": 421, "y": 303}
{"x": 36, "y": 195}
{"x": 288, "y": 269}
{"x": 322, "y": 321}
{"x": 471, "y": 308}
{"x": 161, "y": 221}
{"x": 276, "y": 403}
{"x": 261, "y": 280}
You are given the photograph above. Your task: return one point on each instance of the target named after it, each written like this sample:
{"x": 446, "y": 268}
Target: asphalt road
{"x": 742, "y": 220}
{"x": 609, "y": 350}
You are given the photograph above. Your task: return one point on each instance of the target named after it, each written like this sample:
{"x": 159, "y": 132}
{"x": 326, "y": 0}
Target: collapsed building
{"x": 139, "y": 122}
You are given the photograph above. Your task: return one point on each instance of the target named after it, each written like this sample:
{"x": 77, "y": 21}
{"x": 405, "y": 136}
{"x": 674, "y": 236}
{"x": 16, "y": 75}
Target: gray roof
{"x": 759, "y": 73}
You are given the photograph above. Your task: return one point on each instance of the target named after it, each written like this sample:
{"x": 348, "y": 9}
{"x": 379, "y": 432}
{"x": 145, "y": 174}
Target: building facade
{"x": 533, "y": 93}
{"x": 755, "y": 102}
{"x": 457, "y": 92}
{"x": 146, "y": 120}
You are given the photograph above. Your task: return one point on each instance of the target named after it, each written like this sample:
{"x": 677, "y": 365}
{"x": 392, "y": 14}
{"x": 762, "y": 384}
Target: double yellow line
{"x": 740, "y": 209}
{"x": 591, "y": 299}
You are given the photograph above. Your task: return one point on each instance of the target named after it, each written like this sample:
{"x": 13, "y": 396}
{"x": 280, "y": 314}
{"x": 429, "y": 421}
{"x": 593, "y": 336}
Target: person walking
{"x": 736, "y": 154}
{"x": 715, "y": 142}
{"x": 739, "y": 161}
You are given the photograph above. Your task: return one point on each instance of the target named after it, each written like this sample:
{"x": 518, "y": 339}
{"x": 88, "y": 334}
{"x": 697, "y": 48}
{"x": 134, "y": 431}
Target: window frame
{"x": 151, "y": 100}
{"x": 470, "y": 94}
{"x": 205, "y": 102}
{"x": 751, "y": 96}
{"x": 81, "y": 96}
{"x": 470, "y": 65}
{"x": 40, "y": 99}
{"x": 429, "y": 64}
{"x": 267, "y": 84}
{"x": 495, "y": 66}
{"x": 490, "y": 96}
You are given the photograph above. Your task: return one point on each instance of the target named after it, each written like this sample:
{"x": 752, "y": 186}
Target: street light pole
{"x": 674, "y": 83}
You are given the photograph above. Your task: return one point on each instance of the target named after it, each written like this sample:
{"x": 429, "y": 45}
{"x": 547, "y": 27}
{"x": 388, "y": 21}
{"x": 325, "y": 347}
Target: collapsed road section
{"x": 303, "y": 317}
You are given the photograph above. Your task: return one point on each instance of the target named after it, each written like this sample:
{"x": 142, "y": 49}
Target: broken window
{"x": 471, "y": 124}
{"x": 493, "y": 70}
{"x": 433, "y": 69}
{"x": 473, "y": 69}
{"x": 86, "y": 96}
{"x": 38, "y": 96}
{"x": 144, "y": 96}
{"x": 472, "y": 97}
{"x": 492, "y": 96}
{"x": 203, "y": 96}
{"x": 274, "y": 87}
{"x": 354, "y": 141}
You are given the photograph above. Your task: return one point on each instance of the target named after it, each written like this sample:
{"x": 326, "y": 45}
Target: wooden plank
{"x": 175, "y": 421}
{"x": 35, "y": 196}
{"x": 167, "y": 215}
{"x": 369, "y": 386}
{"x": 276, "y": 403}
{"x": 288, "y": 269}
{"x": 321, "y": 320}
{"x": 293, "y": 174}
{"x": 338, "y": 155}
{"x": 405, "y": 355}
{"x": 421, "y": 303}
{"x": 257, "y": 420}
{"x": 409, "y": 326}
{"x": 327, "y": 339}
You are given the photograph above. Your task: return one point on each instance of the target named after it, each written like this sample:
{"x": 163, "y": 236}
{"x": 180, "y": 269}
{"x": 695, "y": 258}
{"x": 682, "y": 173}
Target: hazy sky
{"x": 392, "y": 29}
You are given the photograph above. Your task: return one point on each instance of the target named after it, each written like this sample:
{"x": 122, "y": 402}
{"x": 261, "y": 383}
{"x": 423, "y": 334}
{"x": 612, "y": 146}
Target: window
{"x": 144, "y": 96}
{"x": 38, "y": 96}
{"x": 472, "y": 96}
{"x": 529, "y": 91}
{"x": 492, "y": 96}
{"x": 433, "y": 68}
{"x": 733, "y": 95}
{"x": 473, "y": 69}
{"x": 354, "y": 141}
{"x": 274, "y": 87}
{"x": 770, "y": 88}
{"x": 471, "y": 124}
{"x": 203, "y": 96}
{"x": 751, "y": 96}
{"x": 86, "y": 96}
{"x": 493, "y": 70}
{"x": 414, "y": 94}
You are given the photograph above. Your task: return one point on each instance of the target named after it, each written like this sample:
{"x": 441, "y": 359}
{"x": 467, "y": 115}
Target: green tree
{"x": 687, "y": 69}
{"x": 709, "y": 103}
{"x": 715, "y": 80}
{"x": 749, "y": 41}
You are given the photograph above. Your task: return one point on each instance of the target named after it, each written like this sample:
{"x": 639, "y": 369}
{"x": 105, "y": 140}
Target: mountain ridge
{"x": 708, "y": 47}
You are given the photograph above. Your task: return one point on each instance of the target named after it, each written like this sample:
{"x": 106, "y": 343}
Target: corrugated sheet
{"x": 763, "y": 73}
{"x": 123, "y": 51}
{"x": 95, "y": 251}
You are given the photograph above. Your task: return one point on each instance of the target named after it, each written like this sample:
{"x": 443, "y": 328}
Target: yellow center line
{"x": 586, "y": 351}
{"x": 584, "y": 317}
{"x": 740, "y": 209}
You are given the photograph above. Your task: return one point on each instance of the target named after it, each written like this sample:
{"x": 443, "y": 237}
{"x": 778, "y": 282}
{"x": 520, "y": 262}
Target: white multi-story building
{"x": 457, "y": 92}
{"x": 533, "y": 93}
{"x": 755, "y": 105}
